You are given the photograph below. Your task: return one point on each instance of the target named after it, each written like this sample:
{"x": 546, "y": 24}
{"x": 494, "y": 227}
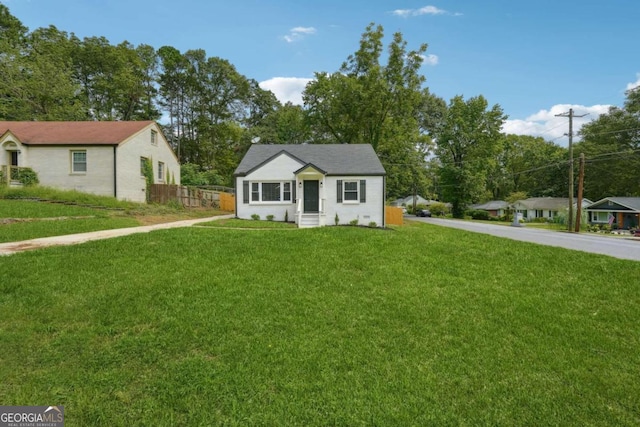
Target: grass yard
{"x": 247, "y": 223}
{"x": 422, "y": 325}
{"x": 74, "y": 212}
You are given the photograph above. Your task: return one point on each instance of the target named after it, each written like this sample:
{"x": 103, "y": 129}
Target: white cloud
{"x": 426, "y": 10}
{"x": 547, "y": 125}
{"x": 430, "y": 59}
{"x": 286, "y": 89}
{"x": 634, "y": 84}
{"x": 298, "y": 33}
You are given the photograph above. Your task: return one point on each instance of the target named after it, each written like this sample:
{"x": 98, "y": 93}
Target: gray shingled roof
{"x": 631, "y": 202}
{"x": 549, "y": 203}
{"x": 492, "y": 205}
{"x": 334, "y": 159}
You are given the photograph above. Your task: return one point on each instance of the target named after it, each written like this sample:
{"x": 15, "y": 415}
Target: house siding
{"x": 53, "y": 164}
{"x": 280, "y": 168}
{"x": 131, "y": 184}
{"x": 365, "y": 212}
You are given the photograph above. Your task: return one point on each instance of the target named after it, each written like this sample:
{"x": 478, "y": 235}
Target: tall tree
{"x": 373, "y": 103}
{"x": 611, "y": 145}
{"x": 13, "y": 36}
{"x": 468, "y": 141}
{"x": 53, "y": 93}
{"x": 528, "y": 164}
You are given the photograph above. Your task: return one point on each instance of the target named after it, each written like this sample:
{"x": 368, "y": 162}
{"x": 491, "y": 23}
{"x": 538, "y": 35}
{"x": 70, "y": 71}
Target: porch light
{"x": 300, "y": 184}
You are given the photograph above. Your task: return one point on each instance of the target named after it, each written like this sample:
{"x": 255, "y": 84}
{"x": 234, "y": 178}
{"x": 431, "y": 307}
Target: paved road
{"x": 618, "y": 247}
{"x": 73, "y": 239}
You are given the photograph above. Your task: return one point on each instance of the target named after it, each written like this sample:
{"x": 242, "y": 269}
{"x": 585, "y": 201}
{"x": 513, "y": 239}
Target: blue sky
{"x": 534, "y": 58}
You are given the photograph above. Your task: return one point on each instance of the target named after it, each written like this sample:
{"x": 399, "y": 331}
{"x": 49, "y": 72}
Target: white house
{"x": 312, "y": 184}
{"x": 545, "y": 207}
{"x": 103, "y": 158}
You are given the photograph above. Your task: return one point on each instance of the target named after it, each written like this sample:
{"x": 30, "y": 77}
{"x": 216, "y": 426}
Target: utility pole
{"x": 580, "y": 188}
{"x": 571, "y": 116}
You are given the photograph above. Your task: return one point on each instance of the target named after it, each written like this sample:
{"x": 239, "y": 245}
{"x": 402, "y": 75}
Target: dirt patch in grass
{"x": 152, "y": 218}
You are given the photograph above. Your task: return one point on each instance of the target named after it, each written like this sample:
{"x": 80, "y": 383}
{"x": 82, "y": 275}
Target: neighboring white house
{"x": 103, "y": 158}
{"x": 545, "y": 207}
{"x": 312, "y": 184}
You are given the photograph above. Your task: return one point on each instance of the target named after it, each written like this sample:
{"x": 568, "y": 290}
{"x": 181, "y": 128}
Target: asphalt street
{"x": 618, "y": 247}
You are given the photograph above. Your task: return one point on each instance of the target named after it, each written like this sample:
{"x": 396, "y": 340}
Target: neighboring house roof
{"x": 631, "y": 203}
{"x": 549, "y": 203}
{"x": 334, "y": 159}
{"x": 72, "y": 133}
{"x": 408, "y": 201}
{"x": 493, "y": 205}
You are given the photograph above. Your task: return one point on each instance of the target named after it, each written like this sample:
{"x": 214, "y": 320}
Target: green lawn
{"x": 247, "y": 223}
{"x": 41, "y": 219}
{"x": 422, "y": 325}
{"x": 23, "y": 219}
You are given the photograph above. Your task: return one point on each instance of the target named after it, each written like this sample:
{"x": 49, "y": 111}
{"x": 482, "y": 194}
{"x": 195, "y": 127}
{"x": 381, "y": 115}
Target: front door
{"x": 14, "y": 158}
{"x": 311, "y": 196}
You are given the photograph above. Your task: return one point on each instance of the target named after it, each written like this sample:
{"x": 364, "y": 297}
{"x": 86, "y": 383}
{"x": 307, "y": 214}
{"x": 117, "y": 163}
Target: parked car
{"x": 423, "y": 212}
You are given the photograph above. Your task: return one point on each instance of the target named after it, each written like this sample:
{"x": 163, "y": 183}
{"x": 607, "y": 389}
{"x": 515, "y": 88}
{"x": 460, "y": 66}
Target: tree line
{"x": 452, "y": 151}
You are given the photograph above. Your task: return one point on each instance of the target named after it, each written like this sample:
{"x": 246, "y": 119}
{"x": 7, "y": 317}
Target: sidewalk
{"x": 11, "y": 248}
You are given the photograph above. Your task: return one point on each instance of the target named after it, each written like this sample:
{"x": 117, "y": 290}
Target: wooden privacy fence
{"x": 393, "y": 215}
{"x": 192, "y": 197}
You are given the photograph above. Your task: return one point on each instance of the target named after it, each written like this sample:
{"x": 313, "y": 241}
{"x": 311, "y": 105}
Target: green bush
{"x": 147, "y": 170}
{"x": 477, "y": 214}
{"x": 255, "y": 217}
{"x": 353, "y": 222}
{"x": 26, "y": 176}
{"x": 269, "y": 217}
{"x": 336, "y": 220}
{"x": 438, "y": 209}
{"x": 373, "y": 224}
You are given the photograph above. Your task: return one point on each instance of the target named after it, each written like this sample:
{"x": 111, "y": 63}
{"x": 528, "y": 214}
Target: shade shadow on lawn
{"x": 334, "y": 326}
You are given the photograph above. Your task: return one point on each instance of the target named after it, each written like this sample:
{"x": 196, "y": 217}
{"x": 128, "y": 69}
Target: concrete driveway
{"x": 74, "y": 239}
{"x": 618, "y": 247}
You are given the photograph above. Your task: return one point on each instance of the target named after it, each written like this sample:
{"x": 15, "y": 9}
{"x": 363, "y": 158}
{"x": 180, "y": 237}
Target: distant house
{"x": 311, "y": 184}
{"x": 494, "y": 207}
{"x": 624, "y": 212}
{"x": 103, "y": 158}
{"x": 419, "y": 200}
{"x": 544, "y": 207}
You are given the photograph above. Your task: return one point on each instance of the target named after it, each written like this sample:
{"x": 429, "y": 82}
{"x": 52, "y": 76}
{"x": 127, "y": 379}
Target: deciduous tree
{"x": 467, "y": 142}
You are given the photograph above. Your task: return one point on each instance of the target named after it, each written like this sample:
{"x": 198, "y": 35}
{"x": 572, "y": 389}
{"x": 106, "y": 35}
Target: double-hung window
{"x": 154, "y": 137}
{"x": 79, "y": 161}
{"x": 270, "y": 191}
{"x": 351, "y": 191}
{"x": 160, "y": 171}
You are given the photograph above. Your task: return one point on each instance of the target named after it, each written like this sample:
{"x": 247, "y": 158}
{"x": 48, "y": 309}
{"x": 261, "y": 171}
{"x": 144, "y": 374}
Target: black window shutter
{"x": 293, "y": 191}
{"x": 363, "y": 191}
{"x": 339, "y": 191}
{"x": 245, "y": 191}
